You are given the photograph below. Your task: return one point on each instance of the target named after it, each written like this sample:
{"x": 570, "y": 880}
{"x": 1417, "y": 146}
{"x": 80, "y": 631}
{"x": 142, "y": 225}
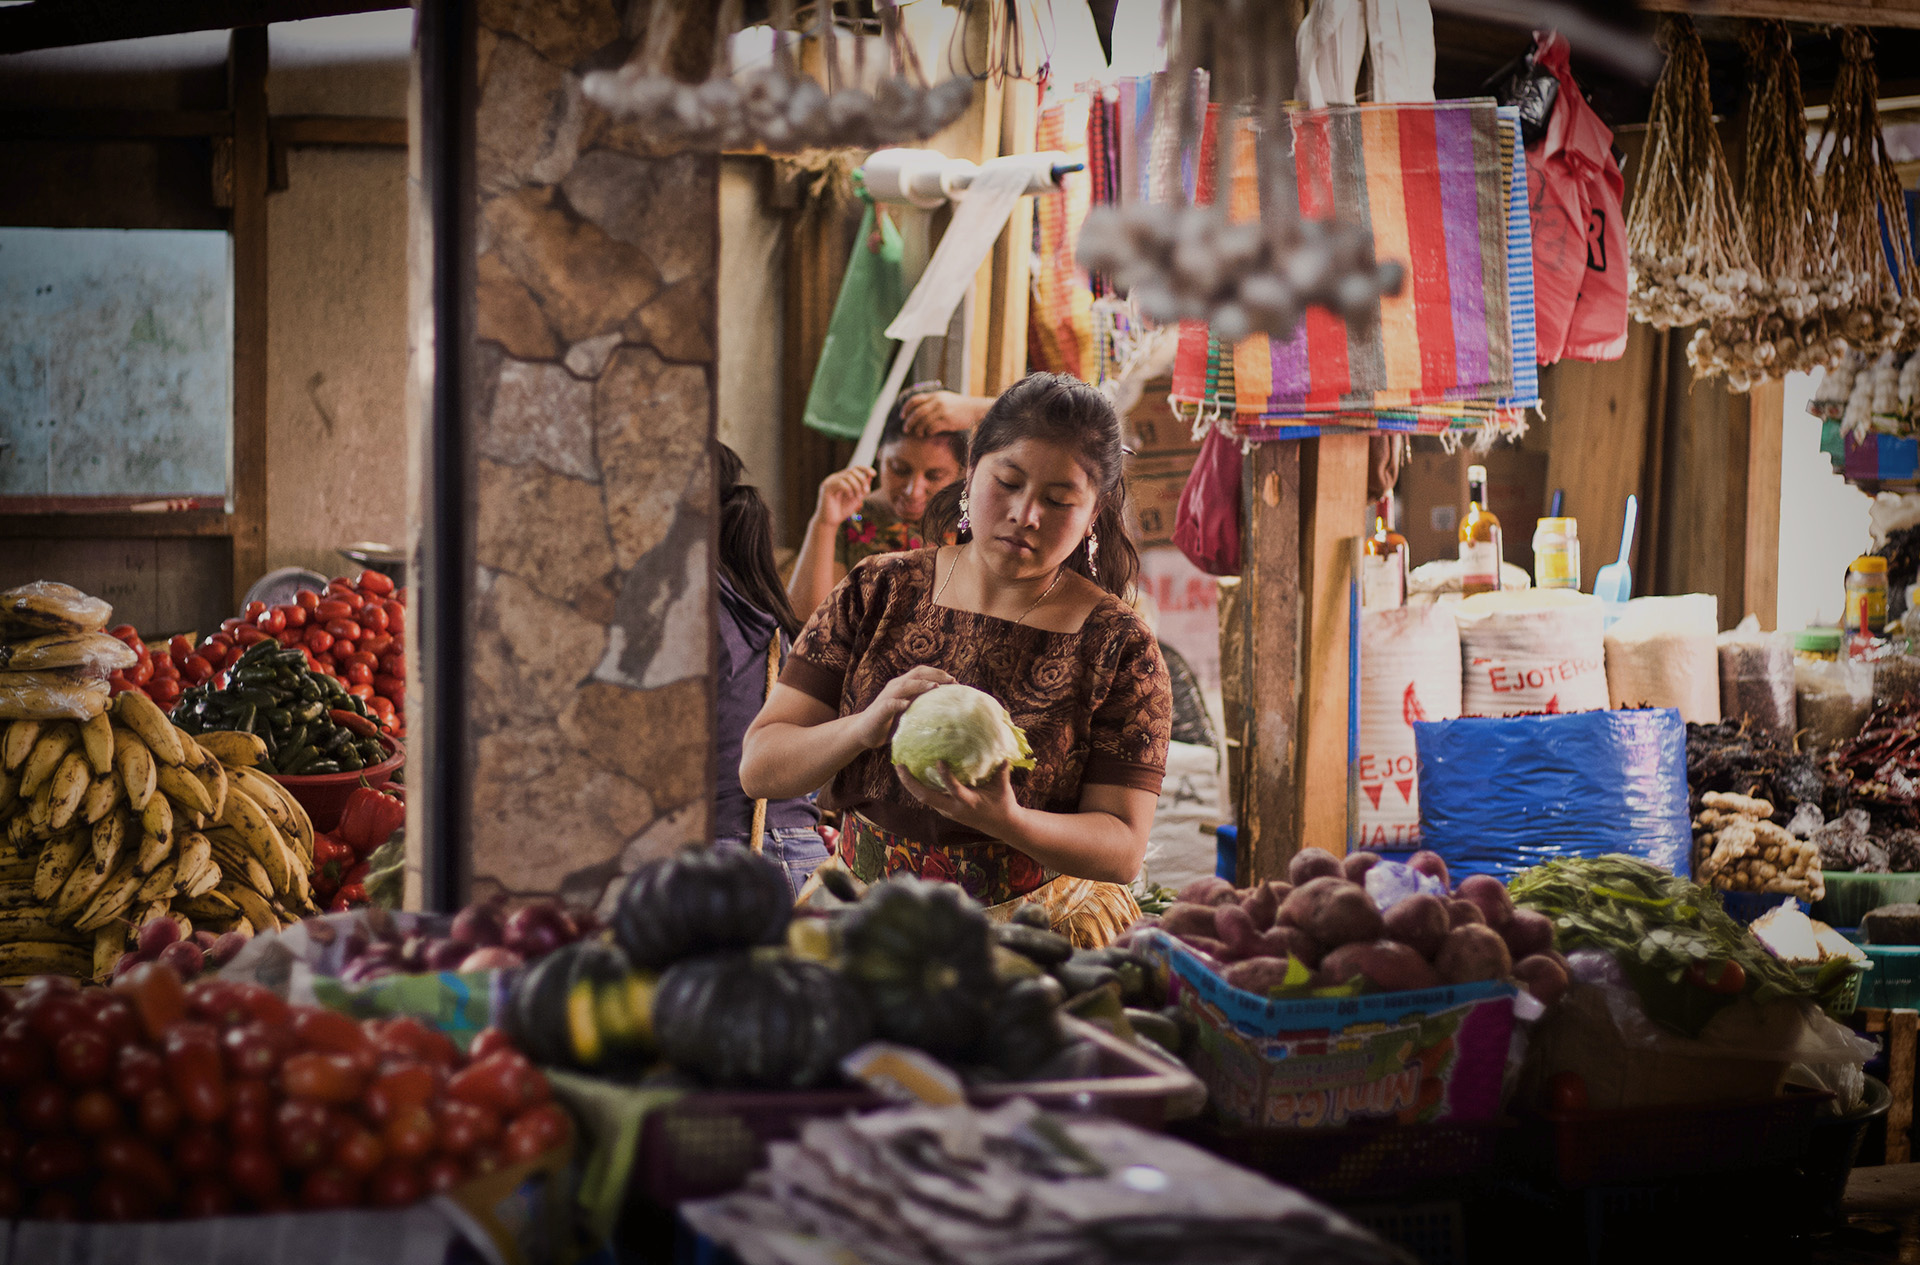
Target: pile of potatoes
{"x": 1323, "y": 917}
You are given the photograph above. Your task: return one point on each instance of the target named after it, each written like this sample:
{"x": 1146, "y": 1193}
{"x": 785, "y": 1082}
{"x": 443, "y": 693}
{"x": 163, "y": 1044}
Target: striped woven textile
{"x": 1060, "y": 314}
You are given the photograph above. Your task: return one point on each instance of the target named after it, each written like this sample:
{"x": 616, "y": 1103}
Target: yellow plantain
{"x": 16, "y": 895}
{"x": 40, "y": 809}
{"x": 9, "y": 789}
{"x": 103, "y": 796}
{"x": 213, "y": 776}
{"x": 136, "y": 765}
{"x": 252, "y": 905}
{"x": 69, "y": 788}
{"x": 141, "y": 714}
{"x": 21, "y": 735}
{"x": 109, "y": 837}
{"x": 177, "y": 783}
{"x": 46, "y": 756}
{"x": 250, "y": 823}
{"x": 108, "y": 944}
{"x": 234, "y": 748}
{"x": 156, "y": 819}
{"x": 113, "y": 899}
{"x": 281, "y": 808}
{"x": 56, "y": 864}
{"x": 209, "y": 904}
{"x": 88, "y": 877}
{"x": 238, "y": 862}
{"x": 196, "y": 871}
{"x": 27, "y": 958}
{"x": 161, "y": 884}
{"x": 180, "y": 920}
{"x": 97, "y": 736}
{"x": 20, "y": 831}
{"x": 299, "y": 889}
{"x": 35, "y": 924}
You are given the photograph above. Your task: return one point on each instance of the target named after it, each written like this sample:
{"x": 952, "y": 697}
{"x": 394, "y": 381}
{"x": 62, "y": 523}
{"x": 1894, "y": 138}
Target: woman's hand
{"x": 938, "y": 412}
{"x": 876, "y": 722}
{"x": 841, "y": 495}
{"x": 989, "y": 808}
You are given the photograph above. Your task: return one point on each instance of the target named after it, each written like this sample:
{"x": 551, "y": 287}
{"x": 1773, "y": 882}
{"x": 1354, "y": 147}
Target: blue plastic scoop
{"x": 1614, "y": 582}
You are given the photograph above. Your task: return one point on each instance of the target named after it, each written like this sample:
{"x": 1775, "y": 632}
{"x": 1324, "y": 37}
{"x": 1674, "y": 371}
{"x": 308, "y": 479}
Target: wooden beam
{"x": 59, "y": 23}
{"x": 1269, "y": 646}
{"x": 1753, "y": 505}
{"x": 60, "y": 125}
{"x": 1333, "y": 497}
{"x": 110, "y": 524}
{"x": 247, "y": 71}
{"x": 1901, "y": 13}
{"x": 1013, "y": 251}
{"x": 337, "y": 129}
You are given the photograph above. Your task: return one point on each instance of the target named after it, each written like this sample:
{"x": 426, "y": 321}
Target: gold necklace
{"x": 1045, "y": 593}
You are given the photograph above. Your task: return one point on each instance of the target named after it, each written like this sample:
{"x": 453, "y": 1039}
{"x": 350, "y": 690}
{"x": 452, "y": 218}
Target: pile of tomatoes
{"x": 355, "y": 633}
{"x": 158, "y": 1099}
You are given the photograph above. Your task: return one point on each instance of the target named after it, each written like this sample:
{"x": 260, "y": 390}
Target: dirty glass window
{"x": 116, "y": 365}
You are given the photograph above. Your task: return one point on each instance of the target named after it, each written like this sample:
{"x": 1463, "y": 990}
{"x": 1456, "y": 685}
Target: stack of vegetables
{"x": 123, "y": 819}
{"x": 158, "y": 1100}
{"x": 1365, "y": 924}
{"x": 307, "y": 722}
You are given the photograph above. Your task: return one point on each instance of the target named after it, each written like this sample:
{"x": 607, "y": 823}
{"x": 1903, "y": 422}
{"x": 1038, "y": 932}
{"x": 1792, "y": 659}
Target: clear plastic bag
{"x": 95, "y": 652}
{"x": 60, "y": 694}
{"x": 1756, "y": 678}
{"x": 44, "y": 607}
{"x": 1832, "y": 698}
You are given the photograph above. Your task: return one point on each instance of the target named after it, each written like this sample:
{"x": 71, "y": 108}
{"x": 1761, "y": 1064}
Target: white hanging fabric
{"x": 1396, "y": 34}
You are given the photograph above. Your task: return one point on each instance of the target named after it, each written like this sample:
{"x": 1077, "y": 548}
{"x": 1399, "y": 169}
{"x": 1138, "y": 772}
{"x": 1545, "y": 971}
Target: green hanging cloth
{"x": 854, "y": 358}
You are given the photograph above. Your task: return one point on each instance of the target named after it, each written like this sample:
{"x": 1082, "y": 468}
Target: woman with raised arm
{"x": 1028, "y": 607}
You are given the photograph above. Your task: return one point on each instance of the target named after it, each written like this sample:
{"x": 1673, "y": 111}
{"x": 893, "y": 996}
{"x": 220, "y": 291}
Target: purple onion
{"x": 447, "y": 955}
{"x": 156, "y": 934}
{"x": 537, "y": 930}
{"x": 478, "y": 925}
{"x": 183, "y": 956}
{"x": 492, "y": 958}
{"x": 226, "y": 947}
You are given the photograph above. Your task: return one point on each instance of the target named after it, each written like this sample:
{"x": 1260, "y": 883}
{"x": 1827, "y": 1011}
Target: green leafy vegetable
{"x": 966, "y": 729}
{"x": 1658, "y": 927}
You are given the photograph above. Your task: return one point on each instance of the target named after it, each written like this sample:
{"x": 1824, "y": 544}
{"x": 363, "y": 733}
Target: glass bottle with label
{"x": 1556, "y": 554}
{"x": 1480, "y": 540}
{"x": 1383, "y": 563}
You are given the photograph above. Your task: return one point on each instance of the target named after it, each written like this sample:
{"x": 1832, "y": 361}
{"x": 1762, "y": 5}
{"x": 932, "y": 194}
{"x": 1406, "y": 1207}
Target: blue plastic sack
{"x": 1498, "y": 796}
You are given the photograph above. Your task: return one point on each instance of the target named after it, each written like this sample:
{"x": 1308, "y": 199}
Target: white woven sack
{"x": 1531, "y": 653}
{"x": 1409, "y": 671}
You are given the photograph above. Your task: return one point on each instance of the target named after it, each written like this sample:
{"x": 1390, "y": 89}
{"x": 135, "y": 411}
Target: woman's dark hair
{"x": 895, "y": 430}
{"x": 746, "y": 542}
{"x": 1058, "y": 409}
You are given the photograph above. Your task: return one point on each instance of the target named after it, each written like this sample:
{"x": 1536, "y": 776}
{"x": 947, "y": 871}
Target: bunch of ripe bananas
{"x": 116, "y": 820}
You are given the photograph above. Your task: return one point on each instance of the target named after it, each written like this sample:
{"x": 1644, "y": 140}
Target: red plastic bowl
{"x": 324, "y": 795}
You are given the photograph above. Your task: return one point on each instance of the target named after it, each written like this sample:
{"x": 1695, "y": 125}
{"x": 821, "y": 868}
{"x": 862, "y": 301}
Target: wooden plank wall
{"x": 1333, "y": 498}
{"x": 1261, "y": 631}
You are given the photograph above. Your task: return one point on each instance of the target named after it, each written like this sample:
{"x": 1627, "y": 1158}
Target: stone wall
{"x": 589, "y": 709}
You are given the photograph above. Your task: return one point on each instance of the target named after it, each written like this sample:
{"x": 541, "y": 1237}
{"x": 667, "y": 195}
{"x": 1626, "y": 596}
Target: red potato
{"x": 1207, "y": 945}
{"x": 1490, "y": 894}
{"x": 1184, "y": 918}
{"x": 1462, "y": 913}
{"x": 1387, "y": 966}
{"x": 1433, "y": 865}
{"x": 1261, "y": 904}
{"x": 1206, "y": 891}
{"x": 1420, "y": 922}
{"x": 1333, "y": 911}
{"x": 1258, "y": 975}
{"x": 1283, "y": 942}
{"x": 1357, "y": 864}
{"x": 1233, "y": 927}
{"x": 1473, "y": 953}
{"x": 1528, "y": 933}
{"x": 1541, "y": 976}
{"x": 1312, "y": 863}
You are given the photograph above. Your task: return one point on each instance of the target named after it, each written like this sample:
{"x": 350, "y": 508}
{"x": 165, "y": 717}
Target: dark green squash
{"x": 758, "y": 1020}
{"x": 702, "y": 900}
{"x": 921, "y": 953}
{"x": 1023, "y": 1029}
{"x": 583, "y": 1006}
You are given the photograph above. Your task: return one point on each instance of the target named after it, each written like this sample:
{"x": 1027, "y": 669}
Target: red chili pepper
{"x": 354, "y": 721}
{"x": 369, "y": 819}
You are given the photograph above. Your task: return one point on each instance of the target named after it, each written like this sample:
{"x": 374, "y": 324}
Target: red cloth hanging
{"x": 1206, "y": 523}
{"x": 1579, "y": 235}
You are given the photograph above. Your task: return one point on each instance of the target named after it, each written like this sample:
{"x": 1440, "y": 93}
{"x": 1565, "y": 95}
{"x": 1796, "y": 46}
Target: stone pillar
{"x": 588, "y": 395}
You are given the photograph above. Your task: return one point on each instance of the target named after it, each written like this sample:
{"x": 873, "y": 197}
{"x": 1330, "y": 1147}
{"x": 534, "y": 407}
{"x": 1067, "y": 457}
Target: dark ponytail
{"x": 1059, "y": 409}
{"x": 746, "y": 542}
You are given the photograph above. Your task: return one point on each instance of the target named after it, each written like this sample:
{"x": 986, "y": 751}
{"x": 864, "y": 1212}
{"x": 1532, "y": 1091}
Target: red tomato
{"x": 116, "y": 1198}
{"x": 331, "y": 1032}
{"x": 42, "y": 1108}
{"x": 505, "y": 1081}
{"x": 396, "y": 1186}
{"x": 393, "y": 665}
{"x": 56, "y": 1205}
{"x": 165, "y": 692}
{"x": 118, "y": 683}
{"x": 331, "y": 608}
{"x": 179, "y": 646}
{"x": 382, "y": 704}
{"x": 319, "y": 640}
{"x": 254, "y": 1173}
{"x": 295, "y": 613}
{"x": 330, "y": 1078}
{"x": 442, "y": 1174}
{"x": 405, "y": 1037}
{"x": 489, "y": 1041}
{"x": 307, "y": 599}
{"x": 52, "y": 1014}
{"x": 250, "y": 1112}
{"x": 157, "y": 995}
{"x": 113, "y": 1015}
{"x": 379, "y": 644}
{"x": 125, "y": 632}
{"x": 51, "y": 1161}
{"x": 232, "y": 626}
{"x": 1725, "y": 977}
{"x": 396, "y": 618}
{"x": 537, "y": 1131}
{"x": 288, "y": 638}
{"x": 141, "y": 672}
{"x": 138, "y": 1160}
{"x": 23, "y": 1057}
{"x": 253, "y": 608}
{"x": 136, "y": 1070}
{"x": 360, "y": 674}
{"x": 201, "y": 1151}
{"x": 361, "y": 691}
{"x": 197, "y": 669}
{"x": 300, "y": 1134}
{"x": 376, "y": 583}
{"x": 342, "y": 630}
{"x": 254, "y": 1050}
{"x": 247, "y": 635}
{"x": 159, "y": 1115}
{"x": 341, "y": 649}
{"x": 96, "y": 1112}
{"x": 263, "y": 1005}
{"x": 410, "y": 1134}
{"x": 13, "y": 1198}
{"x": 83, "y": 1057}
{"x": 360, "y": 1152}
{"x": 206, "y": 1198}
{"x": 464, "y": 1126}
{"x": 329, "y": 1187}
{"x": 216, "y": 1001}
{"x": 194, "y": 1071}
{"x": 373, "y": 618}
{"x": 398, "y": 1089}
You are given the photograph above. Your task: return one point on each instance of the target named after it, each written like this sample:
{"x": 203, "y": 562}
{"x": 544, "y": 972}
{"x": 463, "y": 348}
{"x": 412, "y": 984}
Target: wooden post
{"x": 1333, "y": 493}
{"x": 1902, "y": 1026}
{"x": 1269, "y": 645}
{"x": 247, "y": 79}
{"x": 1007, "y": 305}
{"x": 1754, "y": 519}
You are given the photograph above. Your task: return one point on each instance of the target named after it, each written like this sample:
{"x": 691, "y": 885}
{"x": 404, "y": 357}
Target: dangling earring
{"x": 965, "y": 523}
{"x": 1093, "y": 555}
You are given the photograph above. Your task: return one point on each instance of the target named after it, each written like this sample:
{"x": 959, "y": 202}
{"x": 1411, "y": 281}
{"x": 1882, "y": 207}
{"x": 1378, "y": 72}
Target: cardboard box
{"x": 1154, "y": 485}
{"x": 1433, "y": 499}
{"x": 1412, "y": 1057}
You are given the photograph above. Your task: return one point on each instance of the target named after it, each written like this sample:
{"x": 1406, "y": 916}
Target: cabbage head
{"x": 963, "y": 726}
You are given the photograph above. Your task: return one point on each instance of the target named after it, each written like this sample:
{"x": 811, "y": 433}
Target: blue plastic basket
{"x": 1744, "y": 907}
{"x": 1894, "y": 981}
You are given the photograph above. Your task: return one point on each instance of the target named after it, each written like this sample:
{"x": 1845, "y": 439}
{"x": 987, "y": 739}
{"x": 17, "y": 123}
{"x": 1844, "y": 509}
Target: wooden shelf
{"x": 1900, "y": 13}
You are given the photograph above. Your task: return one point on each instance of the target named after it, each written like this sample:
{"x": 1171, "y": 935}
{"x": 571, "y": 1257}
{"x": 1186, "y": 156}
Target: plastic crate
{"x": 1432, "y": 1233}
{"x": 1894, "y": 982}
{"x": 1357, "y": 1161}
{"x": 705, "y": 1144}
{"x": 1852, "y": 896}
{"x": 1847, "y": 999}
{"x": 1640, "y": 1144}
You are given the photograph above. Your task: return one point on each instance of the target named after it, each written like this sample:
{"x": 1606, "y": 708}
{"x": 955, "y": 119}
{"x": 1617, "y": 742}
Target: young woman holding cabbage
{"x": 1027, "y": 608}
